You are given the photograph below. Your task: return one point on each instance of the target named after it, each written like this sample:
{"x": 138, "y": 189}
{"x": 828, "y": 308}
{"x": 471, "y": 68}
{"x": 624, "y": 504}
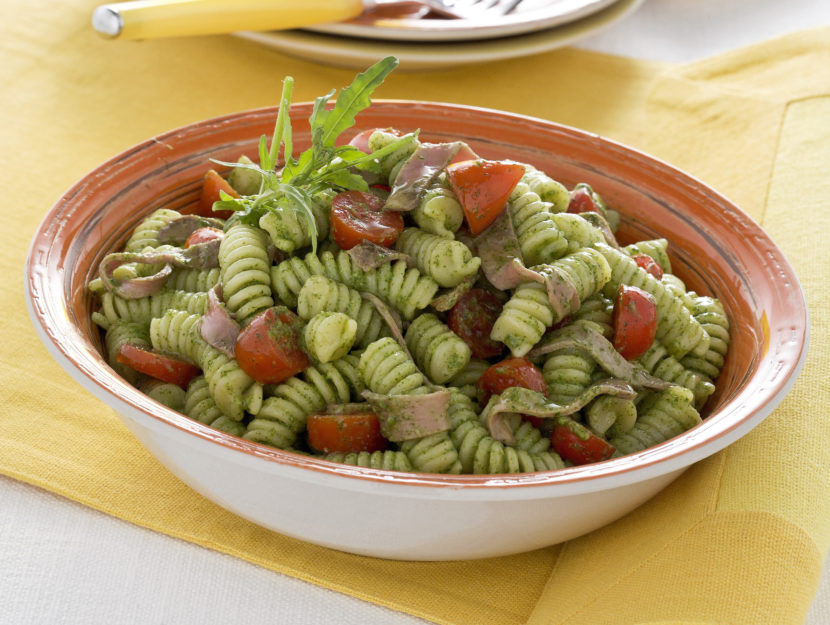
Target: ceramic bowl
{"x": 715, "y": 248}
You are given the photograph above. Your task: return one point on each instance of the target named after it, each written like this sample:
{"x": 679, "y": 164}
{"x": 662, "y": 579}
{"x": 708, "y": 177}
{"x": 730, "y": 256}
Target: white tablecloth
{"x": 63, "y": 563}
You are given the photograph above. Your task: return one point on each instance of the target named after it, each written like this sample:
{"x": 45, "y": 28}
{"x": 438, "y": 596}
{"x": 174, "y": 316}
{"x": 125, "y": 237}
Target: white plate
{"x": 356, "y": 53}
{"x": 528, "y": 16}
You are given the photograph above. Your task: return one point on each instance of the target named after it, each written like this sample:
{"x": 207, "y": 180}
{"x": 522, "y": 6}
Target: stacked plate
{"x": 421, "y": 41}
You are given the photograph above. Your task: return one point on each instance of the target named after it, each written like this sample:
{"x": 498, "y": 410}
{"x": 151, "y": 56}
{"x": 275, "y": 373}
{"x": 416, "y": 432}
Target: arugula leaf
{"x": 322, "y": 165}
{"x": 350, "y": 102}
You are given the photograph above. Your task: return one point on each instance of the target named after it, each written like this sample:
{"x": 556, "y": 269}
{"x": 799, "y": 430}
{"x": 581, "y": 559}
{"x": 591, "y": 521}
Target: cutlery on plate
{"x": 150, "y": 19}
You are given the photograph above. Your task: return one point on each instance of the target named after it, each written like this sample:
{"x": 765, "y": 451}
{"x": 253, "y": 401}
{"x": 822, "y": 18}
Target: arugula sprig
{"x": 323, "y": 165}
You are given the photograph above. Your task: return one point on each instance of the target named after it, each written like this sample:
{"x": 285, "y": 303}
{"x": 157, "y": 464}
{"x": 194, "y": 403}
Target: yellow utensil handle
{"x": 150, "y": 19}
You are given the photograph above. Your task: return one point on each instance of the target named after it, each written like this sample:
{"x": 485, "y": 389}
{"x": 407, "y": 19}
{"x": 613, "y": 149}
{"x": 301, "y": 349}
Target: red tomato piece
{"x": 472, "y": 319}
{"x": 582, "y": 202}
{"x": 361, "y": 139}
{"x": 211, "y": 186}
{"x": 160, "y": 366}
{"x": 508, "y": 373}
{"x": 203, "y": 235}
{"x": 482, "y": 187}
{"x": 268, "y": 348}
{"x": 635, "y": 321}
{"x": 356, "y": 216}
{"x": 649, "y": 264}
{"x": 576, "y": 443}
{"x": 345, "y": 433}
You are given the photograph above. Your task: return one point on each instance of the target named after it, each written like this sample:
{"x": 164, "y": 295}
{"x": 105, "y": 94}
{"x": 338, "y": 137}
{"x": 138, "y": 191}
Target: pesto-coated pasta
{"x": 320, "y": 294}
{"x": 245, "y": 271}
{"x": 676, "y": 328}
{"x": 302, "y": 327}
{"x": 671, "y": 413}
{"x": 447, "y": 261}
{"x": 539, "y": 238}
{"x": 287, "y": 405}
{"x": 329, "y": 335}
{"x": 438, "y": 351}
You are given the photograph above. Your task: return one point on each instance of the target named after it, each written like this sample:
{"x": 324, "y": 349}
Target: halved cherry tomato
{"x": 361, "y": 139}
{"x": 574, "y": 442}
{"x": 203, "y": 235}
{"x": 268, "y": 346}
{"x": 356, "y": 216}
{"x": 160, "y": 366}
{"x": 582, "y": 201}
{"x": 482, "y": 187}
{"x": 345, "y": 433}
{"x": 634, "y": 321}
{"x": 211, "y": 186}
{"x": 511, "y": 372}
{"x": 649, "y": 264}
{"x": 472, "y": 319}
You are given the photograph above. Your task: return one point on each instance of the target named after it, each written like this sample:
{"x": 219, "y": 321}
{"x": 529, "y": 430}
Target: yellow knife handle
{"x": 150, "y": 19}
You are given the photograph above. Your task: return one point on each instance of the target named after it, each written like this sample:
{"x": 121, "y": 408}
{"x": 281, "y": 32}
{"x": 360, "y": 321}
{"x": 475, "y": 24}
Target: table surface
{"x": 61, "y": 562}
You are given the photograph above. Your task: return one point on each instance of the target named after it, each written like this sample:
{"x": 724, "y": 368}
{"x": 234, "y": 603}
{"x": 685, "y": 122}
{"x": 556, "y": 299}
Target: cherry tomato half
{"x": 634, "y": 321}
{"x": 356, "y": 216}
{"x": 582, "y": 201}
{"x": 212, "y": 184}
{"x": 649, "y": 264}
{"x": 203, "y": 235}
{"x": 268, "y": 348}
{"x": 472, "y": 319}
{"x": 576, "y": 443}
{"x": 345, "y": 433}
{"x": 508, "y": 373}
{"x": 160, "y": 366}
{"x": 483, "y": 187}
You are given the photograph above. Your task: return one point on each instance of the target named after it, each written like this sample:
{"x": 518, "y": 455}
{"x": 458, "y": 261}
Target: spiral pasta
{"x": 287, "y": 405}
{"x": 439, "y": 212}
{"x": 146, "y": 234}
{"x": 119, "y": 333}
{"x": 438, "y": 351}
{"x": 391, "y": 163}
{"x": 447, "y": 261}
{"x": 199, "y": 405}
{"x": 385, "y": 368}
{"x": 567, "y": 373}
{"x": 233, "y": 390}
{"x": 329, "y": 335}
{"x": 529, "y": 312}
{"x": 539, "y": 238}
{"x": 709, "y": 312}
{"x": 387, "y": 460}
{"x": 671, "y": 413}
{"x": 658, "y": 362}
{"x": 676, "y": 328}
{"x": 193, "y": 280}
{"x": 245, "y": 271}
{"x": 143, "y": 309}
{"x": 321, "y": 294}
{"x": 549, "y": 190}
{"x": 406, "y": 289}
{"x": 656, "y": 248}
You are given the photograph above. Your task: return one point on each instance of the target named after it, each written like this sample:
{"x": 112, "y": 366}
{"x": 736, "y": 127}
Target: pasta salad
{"x": 404, "y": 305}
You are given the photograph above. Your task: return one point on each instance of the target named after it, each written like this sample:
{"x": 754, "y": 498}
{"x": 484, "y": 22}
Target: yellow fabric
{"x": 738, "y": 539}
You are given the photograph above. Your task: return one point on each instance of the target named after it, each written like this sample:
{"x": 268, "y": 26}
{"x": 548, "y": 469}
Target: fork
{"x": 150, "y": 19}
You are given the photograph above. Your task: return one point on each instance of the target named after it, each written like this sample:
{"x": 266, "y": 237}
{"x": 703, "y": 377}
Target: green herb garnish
{"x": 322, "y": 166}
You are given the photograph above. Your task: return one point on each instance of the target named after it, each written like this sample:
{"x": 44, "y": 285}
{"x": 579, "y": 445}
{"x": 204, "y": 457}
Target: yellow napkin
{"x": 739, "y": 538}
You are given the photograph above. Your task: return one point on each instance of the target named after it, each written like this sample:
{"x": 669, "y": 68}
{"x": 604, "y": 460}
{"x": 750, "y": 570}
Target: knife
{"x": 150, "y": 19}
